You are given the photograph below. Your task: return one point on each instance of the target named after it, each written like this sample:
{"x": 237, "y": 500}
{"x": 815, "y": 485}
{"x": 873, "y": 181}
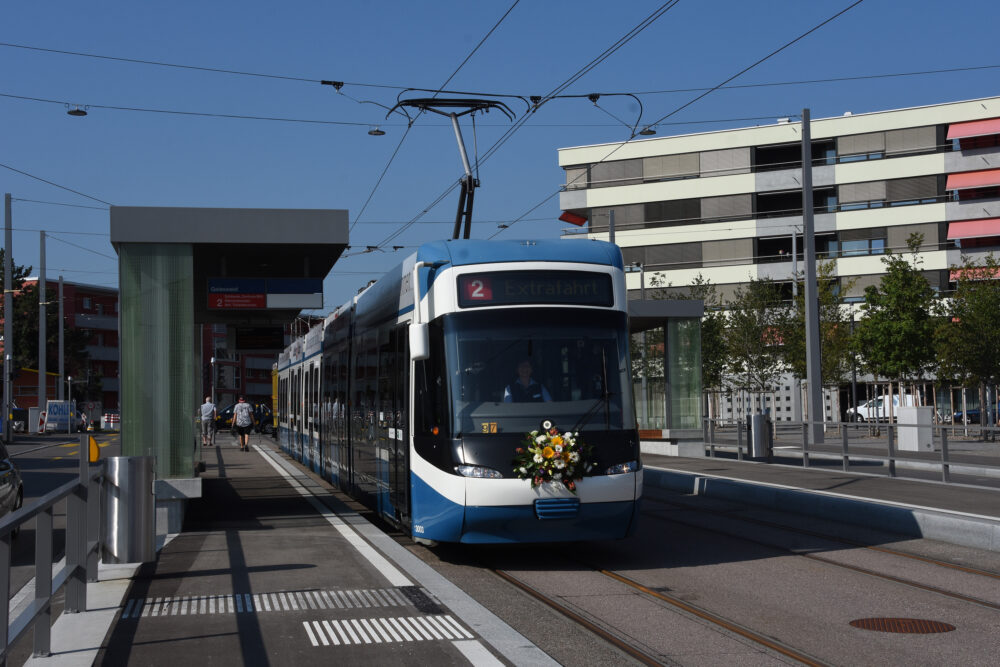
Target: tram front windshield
{"x": 510, "y": 369}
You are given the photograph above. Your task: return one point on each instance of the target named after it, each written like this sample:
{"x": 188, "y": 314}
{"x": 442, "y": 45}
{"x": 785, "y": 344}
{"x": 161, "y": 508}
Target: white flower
{"x": 523, "y": 470}
{"x": 558, "y": 448}
{"x": 540, "y": 439}
{"x": 567, "y": 435}
{"x": 574, "y": 457}
{"x": 534, "y": 433}
{"x": 576, "y": 434}
{"x": 538, "y": 458}
{"x": 560, "y": 464}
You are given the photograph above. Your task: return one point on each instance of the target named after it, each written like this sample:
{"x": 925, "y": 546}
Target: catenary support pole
{"x": 42, "y": 370}
{"x": 813, "y": 373}
{"x": 8, "y": 318}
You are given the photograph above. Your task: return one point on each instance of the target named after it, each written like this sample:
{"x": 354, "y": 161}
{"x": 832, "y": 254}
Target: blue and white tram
{"x": 414, "y": 418}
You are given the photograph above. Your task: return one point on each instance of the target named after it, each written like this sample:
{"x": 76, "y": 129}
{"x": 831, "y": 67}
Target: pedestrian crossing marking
{"x": 302, "y": 600}
{"x": 380, "y": 630}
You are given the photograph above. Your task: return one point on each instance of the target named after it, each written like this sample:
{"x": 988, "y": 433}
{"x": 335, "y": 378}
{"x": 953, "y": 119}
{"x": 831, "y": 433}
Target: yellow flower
{"x": 557, "y": 440}
{"x": 548, "y": 452}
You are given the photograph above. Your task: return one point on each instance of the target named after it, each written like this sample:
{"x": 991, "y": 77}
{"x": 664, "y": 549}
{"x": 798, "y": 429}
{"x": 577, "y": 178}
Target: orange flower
{"x": 557, "y": 440}
{"x": 548, "y": 452}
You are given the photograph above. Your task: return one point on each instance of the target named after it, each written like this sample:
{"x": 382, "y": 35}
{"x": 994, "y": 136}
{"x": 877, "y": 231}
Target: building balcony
{"x": 101, "y": 353}
{"x": 90, "y": 321}
{"x": 972, "y": 160}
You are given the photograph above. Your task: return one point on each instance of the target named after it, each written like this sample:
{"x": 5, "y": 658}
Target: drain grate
{"x": 913, "y": 626}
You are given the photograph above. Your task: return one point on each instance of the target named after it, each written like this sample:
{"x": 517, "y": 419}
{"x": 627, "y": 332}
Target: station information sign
{"x": 263, "y": 293}
{"x": 497, "y": 288}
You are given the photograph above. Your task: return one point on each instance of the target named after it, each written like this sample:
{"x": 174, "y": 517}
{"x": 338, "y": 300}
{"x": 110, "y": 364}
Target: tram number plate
{"x": 477, "y": 288}
{"x": 489, "y": 427}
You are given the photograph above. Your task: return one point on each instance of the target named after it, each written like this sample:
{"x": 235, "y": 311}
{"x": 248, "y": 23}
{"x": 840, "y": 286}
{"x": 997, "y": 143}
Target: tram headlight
{"x": 628, "y": 466}
{"x": 480, "y": 472}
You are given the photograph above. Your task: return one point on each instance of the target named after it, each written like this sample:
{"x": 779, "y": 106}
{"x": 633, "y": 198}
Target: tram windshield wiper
{"x": 604, "y": 400}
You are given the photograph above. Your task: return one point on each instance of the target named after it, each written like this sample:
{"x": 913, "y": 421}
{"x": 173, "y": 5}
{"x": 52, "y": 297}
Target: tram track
{"x": 830, "y": 561}
{"x": 644, "y": 657}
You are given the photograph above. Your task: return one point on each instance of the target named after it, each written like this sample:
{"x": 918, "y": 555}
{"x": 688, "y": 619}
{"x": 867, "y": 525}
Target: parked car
{"x": 877, "y": 409}
{"x": 11, "y": 487}
{"x": 960, "y": 417}
{"x": 261, "y": 412}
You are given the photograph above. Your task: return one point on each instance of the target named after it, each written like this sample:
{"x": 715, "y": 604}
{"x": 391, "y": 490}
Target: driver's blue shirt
{"x": 516, "y": 392}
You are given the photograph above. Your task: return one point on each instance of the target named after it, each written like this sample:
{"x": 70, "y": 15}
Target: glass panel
{"x": 684, "y": 372}
{"x": 511, "y": 369}
{"x": 157, "y": 355}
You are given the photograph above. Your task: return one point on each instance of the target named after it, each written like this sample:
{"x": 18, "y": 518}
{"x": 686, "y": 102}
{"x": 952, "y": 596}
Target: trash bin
{"x": 129, "y": 510}
{"x": 759, "y": 437}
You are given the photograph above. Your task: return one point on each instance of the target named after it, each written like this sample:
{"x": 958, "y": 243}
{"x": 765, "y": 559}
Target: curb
{"x": 968, "y": 530}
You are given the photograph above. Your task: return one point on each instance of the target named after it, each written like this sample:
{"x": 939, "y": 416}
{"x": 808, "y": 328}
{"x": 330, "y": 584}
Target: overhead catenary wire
{"x": 363, "y": 84}
{"x": 410, "y": 125}
{"x": 53, "y": 184}
{"x": 706, "y": 93}
{"x": 631, "y": 34}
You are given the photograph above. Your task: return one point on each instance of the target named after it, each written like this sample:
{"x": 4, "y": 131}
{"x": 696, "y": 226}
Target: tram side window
{"x": 430, "y": 399}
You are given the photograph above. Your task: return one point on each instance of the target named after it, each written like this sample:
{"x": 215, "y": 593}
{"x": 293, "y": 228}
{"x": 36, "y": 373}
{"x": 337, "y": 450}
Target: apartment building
{"x": 727, "y": 204}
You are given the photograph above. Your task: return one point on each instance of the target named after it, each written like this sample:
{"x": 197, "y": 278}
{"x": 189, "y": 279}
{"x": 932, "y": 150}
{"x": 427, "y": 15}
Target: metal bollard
{"x": 739, "y": 440}
{"x": 805, "y": 444}
{"x": 843, "y": 448}
{"x": 891, "y": 445}
{"x": 945, "y": 468}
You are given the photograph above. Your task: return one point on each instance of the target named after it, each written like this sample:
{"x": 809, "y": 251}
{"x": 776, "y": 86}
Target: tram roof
{"x": 462, "y": 252}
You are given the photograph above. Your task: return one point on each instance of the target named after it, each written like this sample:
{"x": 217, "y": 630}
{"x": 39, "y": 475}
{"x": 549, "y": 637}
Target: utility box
{"x": 915, "y": 431}
{"x": 129, "y": 510}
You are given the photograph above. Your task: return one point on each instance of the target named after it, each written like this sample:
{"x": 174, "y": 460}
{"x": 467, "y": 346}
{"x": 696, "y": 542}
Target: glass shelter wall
{"x": 157, "y": 345}
{"x": 666, "y": 363}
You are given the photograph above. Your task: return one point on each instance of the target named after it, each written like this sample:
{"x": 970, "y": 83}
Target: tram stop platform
{"x": 275, "y": 567}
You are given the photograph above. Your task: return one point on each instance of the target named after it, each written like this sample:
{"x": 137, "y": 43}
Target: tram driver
{"x": 524, "y": 389}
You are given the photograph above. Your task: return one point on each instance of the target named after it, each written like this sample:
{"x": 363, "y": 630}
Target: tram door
{"x": 394, "y": 370}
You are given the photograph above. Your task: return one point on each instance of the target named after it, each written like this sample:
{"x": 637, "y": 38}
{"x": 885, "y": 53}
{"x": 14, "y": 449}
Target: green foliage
{"x": 18, "y": 273}
{"x": 757, "y": 318}
{"x": 895, "y": 337}
{"x": 25, "y": 331}
{"x": 967, "y": 339}
{"x": 834, "y": 328}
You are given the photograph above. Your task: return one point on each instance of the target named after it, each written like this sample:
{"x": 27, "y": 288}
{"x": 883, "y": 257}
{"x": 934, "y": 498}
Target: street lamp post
{"x": 212, "y": 362}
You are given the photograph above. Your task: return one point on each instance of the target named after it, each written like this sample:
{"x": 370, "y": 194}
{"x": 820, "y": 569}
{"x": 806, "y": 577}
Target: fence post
{"x": 945, "y": 468}
{"x": 93, "y": 536}
{"x": 843, "y": 446}
{"x": 43, "y": 584}
{"x": 76, "y": 535}
{"x": 711, "y": 438}
{"x": 805, "y": 444}
{"x": 739, "y": 440}
{"x": 891, "y": 443}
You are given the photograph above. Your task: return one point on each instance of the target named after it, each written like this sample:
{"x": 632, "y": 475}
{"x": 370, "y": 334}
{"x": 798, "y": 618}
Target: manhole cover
{"x": 915, "y": 626}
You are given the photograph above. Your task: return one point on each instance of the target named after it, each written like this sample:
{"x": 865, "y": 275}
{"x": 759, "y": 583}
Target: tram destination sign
{"x": 497, "y": 288}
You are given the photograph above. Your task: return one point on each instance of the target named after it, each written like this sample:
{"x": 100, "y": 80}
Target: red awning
{"x": 973, "y": 179}
{"x": 978, "y": 273}
{"x": 974, "y": 229}
{"x": 974, "y": 128}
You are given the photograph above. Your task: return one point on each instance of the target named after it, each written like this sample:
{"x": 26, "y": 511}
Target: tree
{"x": 757, "y": 318}
{"x": 967, "y": 338}
{"x": 25, "y": 326}
{"x": 18, "y": 273}
{"x": 895, "y": 337}
{"x": 834, "y": 329}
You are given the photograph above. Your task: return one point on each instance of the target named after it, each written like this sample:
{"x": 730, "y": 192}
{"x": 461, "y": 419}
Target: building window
{"x": 86, "y": 303}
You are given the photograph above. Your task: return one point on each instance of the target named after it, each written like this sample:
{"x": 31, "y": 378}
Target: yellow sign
{"x": 95, "y": 452}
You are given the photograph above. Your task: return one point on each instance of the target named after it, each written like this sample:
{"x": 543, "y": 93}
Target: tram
{"x": 406, "y": 396}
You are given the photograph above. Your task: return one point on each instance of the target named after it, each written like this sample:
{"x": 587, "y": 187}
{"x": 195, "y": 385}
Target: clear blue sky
{"x": 143, "y": 158}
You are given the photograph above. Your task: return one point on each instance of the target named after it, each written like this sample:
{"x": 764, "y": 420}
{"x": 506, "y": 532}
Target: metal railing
{"x": 857, "y": 443}
{"x": 83, "y": 540}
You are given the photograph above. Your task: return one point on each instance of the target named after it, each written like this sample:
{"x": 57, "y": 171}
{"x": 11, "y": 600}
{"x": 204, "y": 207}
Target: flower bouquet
{"x": 547, "y": 455}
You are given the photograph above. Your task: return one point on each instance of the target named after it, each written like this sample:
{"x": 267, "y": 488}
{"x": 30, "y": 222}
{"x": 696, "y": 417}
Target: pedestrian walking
{"x": 243, "y": 420}
{"x": 207, "y": 421}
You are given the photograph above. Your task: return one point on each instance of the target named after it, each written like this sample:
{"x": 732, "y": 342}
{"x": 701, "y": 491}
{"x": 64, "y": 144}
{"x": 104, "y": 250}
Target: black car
{"x": 262, "y": 414}
{"x": 11, "y": 488}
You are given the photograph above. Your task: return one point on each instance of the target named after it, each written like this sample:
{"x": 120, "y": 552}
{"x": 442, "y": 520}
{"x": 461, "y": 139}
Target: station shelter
{"x": 180, "y": 268}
